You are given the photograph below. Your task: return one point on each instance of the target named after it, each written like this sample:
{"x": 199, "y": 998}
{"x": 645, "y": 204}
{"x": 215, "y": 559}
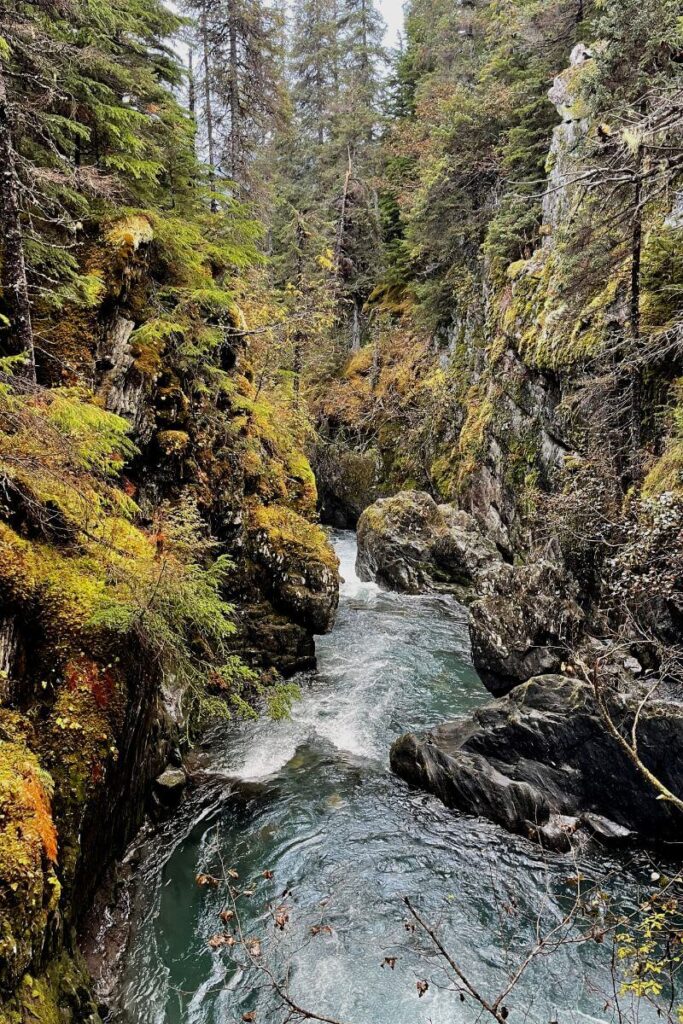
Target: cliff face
{"x": 535, "y": 410}
{"x": 160, "y": 560}
{"x": 550, "y": 411}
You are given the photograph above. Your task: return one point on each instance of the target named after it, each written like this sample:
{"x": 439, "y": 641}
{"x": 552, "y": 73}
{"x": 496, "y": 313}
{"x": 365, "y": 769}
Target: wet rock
{"x": 411, "y": 544}
{"x": 605, "y": 830}
{"x": 557, "y": 833}
{"x": 524, "y": 626}
{"x": 171, "y": 781}
{"x": 543, "y": 751}
{"x": 347, "y": 481}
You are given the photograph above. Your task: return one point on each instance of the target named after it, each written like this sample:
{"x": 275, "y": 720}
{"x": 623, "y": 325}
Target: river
{"x": 312, "y": 801}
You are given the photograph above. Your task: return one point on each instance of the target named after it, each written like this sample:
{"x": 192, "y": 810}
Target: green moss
{"x": 287, "y": 533}
{"x": 29, "y": 889}
{"x": 173, "y": 442}
{"x": 547, "y": 330}
{"x": 661, "y": 278}
{"x": 667, "y": 473}
{"x": 79, "y": 745}
{"x": 472, "y": 441}
{"x": 60, "y": 995}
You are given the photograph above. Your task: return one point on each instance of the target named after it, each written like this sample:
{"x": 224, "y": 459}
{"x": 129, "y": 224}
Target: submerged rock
{"x": 524, "y": 626}
{"x": 541, "y": 756}
{"x": 411, "y": 544}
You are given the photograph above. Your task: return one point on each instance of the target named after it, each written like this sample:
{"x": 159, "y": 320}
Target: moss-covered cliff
{"x": 547, "y": 401}
{"x": 159, "y": 552}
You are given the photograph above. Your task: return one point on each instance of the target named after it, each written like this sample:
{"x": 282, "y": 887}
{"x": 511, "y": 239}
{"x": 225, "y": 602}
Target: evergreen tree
{"x": 313, "y": 67}
{"x": 361, "y": 32}
{"x": 335, "y": 78}
{"x": 240, "y": 78}
{"x": 87, "y": 118}
{"x": 464, "y": 163}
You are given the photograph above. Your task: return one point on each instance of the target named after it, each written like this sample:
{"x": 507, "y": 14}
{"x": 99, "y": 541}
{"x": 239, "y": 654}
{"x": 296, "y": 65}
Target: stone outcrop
{"x": 541, "y": 763}
{"x": 525, "y": 625}
{"x": 348, "y": 481}
{"x": 411, "y": 544}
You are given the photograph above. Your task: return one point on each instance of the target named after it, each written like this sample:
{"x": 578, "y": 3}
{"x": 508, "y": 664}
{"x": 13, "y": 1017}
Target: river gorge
{"x": 312, "y": 800}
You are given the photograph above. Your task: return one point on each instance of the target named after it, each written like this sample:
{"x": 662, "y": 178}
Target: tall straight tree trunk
{"x": 355, "y": 326}
{"x": 299, "y": 336}
{"x": 14, "y": 282}
{"x": 208, "y": 110}
{"x": 191, "y": 96}
{"x": 235, "y": 127}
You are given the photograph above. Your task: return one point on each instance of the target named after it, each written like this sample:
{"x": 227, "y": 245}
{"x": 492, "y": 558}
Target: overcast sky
{"x": 392, "y": 11}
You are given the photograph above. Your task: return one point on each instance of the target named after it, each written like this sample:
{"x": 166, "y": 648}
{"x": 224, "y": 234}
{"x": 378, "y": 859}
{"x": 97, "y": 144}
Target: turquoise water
{"x": 312, "y": 800}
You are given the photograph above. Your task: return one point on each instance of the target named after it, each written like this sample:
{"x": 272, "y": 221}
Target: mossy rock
{"x": 60, "y": 995}
{"x": 173, "y": 442}
{"x": 301, "y": 566}
{"x": 29, "y": 888}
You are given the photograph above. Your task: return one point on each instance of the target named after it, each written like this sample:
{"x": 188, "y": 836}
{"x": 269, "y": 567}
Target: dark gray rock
{"x": 524, "y": 626}
{"x": 411, "y": 544}
{"x": 605, "y": 830}
{"x": 543, "y": 752}
{"x": 347, "y": 482}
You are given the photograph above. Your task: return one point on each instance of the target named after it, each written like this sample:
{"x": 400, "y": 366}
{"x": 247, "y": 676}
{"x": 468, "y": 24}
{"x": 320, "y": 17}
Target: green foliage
{"x": 466, "y": 157}
{"x": 648, "y": 947}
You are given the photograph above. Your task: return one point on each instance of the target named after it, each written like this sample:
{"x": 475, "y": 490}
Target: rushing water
{"x": 314, "y": 803}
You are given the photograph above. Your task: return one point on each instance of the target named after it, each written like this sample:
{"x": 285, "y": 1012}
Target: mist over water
{"x": 314, "y": 802}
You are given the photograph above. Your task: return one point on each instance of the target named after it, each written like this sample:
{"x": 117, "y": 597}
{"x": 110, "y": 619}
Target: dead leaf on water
{"x": 221, "y": 939}
{"x": 281, "y": 917}
{"x": 205, "y": 880}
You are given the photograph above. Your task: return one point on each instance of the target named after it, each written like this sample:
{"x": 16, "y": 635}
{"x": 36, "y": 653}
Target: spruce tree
{"x": 87, "y": 119}
{"x": 240, "y": 78}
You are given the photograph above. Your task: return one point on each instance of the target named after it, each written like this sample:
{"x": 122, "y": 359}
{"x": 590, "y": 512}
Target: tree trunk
{"x": 355, "y": 327}
{"x": 299, "y": 336}
{"x": 14, "y": 282}
{"x": 191, "y": 97}
{"x": 208, "y": 111}
{"x": 235, "y": 141}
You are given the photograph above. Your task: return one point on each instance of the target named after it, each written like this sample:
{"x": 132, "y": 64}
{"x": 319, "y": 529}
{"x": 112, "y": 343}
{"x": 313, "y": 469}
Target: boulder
{"x": 411, "y": 544}
{"x": 170, "y": 784}
{"x": 524, "y": 625}
{"x": 541, "y": 757}
{"x": 299, "y": 571}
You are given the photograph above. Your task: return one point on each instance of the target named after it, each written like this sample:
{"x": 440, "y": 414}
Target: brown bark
{"x": 235, "y": 144}
{"x": 208, "y": 110}
{"x": 14, "y": 281}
